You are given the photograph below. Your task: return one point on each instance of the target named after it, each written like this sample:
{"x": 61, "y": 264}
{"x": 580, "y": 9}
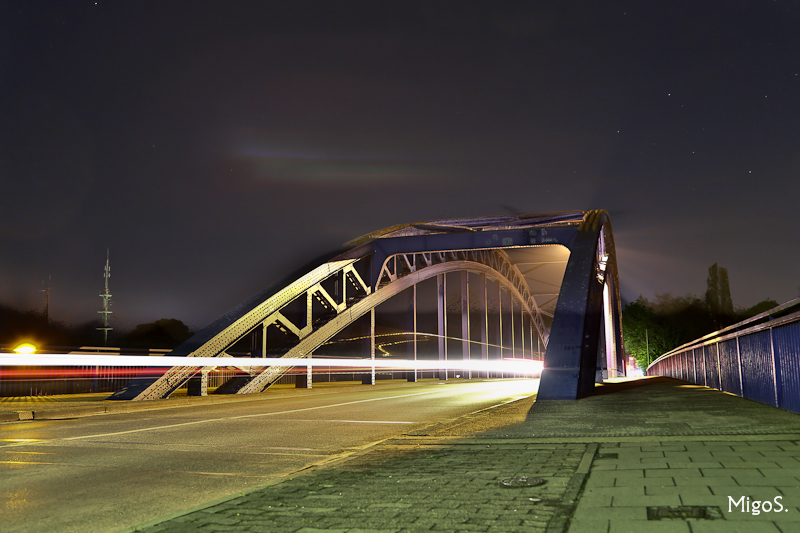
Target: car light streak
{"x": 510, "y": 365}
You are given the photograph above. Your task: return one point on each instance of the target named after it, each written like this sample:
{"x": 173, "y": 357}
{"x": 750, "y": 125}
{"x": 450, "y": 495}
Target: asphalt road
{"x": 105, "y": 473}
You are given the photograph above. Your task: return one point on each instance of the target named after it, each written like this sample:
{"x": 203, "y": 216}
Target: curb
{"x": 79, "y": 412}
{"x": 66, "y": 412}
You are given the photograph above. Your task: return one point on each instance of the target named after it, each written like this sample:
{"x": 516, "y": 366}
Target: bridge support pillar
{"x": 571, "y": 357}
{"x": 198, "y": 385}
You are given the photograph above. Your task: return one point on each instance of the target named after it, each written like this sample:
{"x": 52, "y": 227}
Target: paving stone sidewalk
{"x": 407, "y": 486}
{"x": 707, "y": 485}
{"x": 656, "y": 455}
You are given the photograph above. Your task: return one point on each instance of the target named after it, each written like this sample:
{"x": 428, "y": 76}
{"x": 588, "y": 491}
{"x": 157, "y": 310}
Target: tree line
{"x": 18, "y": 326}
{"x": 653, "y": 328}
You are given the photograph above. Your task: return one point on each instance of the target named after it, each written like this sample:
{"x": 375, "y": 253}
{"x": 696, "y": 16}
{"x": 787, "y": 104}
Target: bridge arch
{"x": 335, "y": 293}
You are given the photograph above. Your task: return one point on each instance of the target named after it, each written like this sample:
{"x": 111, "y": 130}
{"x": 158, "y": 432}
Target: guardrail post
{"x": 776, "y": 378}
{"x": 739, "y": 362}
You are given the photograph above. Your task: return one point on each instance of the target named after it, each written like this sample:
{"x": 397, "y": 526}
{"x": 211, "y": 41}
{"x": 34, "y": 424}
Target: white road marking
{"x": 141, "y": 430}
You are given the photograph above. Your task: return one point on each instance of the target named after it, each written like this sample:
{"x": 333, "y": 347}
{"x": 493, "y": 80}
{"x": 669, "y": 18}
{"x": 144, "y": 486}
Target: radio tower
{"x": 106, "y": 296}
{"x": 46, "y": 291}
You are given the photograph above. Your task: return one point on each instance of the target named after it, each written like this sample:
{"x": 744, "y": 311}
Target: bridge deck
{"x": 616, "y": 461}
{"x": 619, "y": 460}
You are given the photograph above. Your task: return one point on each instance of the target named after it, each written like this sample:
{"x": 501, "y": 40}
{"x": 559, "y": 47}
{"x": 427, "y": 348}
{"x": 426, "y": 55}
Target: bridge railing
{"x": 758, "y": 358}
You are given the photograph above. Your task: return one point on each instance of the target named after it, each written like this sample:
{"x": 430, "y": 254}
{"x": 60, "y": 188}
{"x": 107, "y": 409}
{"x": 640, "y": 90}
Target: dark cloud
{"x": 216, "y": 146}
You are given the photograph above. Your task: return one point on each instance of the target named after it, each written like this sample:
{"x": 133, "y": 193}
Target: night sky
{"x": 216, "y": 146}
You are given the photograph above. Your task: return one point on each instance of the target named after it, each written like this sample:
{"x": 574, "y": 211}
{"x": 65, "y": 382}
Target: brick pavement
{"x": 414, "y": 484}
{"x": 656, "y": 455}
{"x": 630, "y": 476}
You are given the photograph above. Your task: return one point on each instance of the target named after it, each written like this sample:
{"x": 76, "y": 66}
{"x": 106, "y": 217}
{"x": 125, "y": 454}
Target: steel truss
{"x": 399, "y": 265}
{"x": 393, "y": 279}
{"x": 265, "y": 314}
{"x": 396, "y": 259}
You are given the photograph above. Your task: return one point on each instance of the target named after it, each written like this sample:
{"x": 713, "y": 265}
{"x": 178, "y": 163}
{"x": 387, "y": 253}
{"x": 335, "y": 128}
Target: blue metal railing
{"x": 758, "y": 358}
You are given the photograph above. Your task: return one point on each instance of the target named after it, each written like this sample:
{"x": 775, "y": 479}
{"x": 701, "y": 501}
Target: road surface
{"x": 105, "y": 473}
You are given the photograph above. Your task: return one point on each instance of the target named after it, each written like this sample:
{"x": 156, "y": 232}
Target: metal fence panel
{"x": 712, "y": 366}
{"x": 729, "y": 364}
{"x": 700, "y": 362}
{"x": 786, "y": 341}
{"x": 757, "y": 358}
{"x": 688, "y": 363}
{"x": 756, "y": 354}
{"x": 688, "y": 371}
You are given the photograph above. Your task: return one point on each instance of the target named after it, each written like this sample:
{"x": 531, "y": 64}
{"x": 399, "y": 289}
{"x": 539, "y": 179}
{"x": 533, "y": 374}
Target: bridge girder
{"x": 583, "y": 308}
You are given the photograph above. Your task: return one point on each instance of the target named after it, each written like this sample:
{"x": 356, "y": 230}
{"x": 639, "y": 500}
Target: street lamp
{"x": 25, "y": 348}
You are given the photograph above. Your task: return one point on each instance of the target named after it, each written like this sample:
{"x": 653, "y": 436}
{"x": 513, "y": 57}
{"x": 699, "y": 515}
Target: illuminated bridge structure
{"x": 485, "y": 289}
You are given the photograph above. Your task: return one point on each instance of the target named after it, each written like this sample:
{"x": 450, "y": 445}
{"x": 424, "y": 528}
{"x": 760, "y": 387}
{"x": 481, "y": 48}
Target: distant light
{"x": 25, "y": 348}
{"x": 522, "y": 366}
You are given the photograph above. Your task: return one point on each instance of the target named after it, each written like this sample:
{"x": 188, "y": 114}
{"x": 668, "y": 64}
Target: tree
{"x": 33, "y": 326}
{"x": 712, "y": 290}
{"x": 163, "y": 333}
{"x": 718, "y": 297}
{"x": 654, "y": 328}
{"x": 725, "y": 302}
{"x": 760, "y": 307}
{"x": 647, "y": 334}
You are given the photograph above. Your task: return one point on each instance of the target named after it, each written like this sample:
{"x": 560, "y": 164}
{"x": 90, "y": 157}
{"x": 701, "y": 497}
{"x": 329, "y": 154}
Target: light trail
{"x": 509, "y": 365}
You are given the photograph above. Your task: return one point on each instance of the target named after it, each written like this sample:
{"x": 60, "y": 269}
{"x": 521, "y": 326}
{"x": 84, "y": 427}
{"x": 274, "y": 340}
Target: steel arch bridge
{"x": 553, "y": 277}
